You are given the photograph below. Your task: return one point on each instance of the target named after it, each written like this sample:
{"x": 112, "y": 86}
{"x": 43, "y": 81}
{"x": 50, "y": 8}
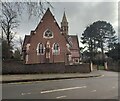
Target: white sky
{"x": 79, "y": 15}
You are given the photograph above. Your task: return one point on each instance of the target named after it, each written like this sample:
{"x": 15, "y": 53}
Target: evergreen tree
{"x": 96, "y": 35}
{"x": 114, "y": 53}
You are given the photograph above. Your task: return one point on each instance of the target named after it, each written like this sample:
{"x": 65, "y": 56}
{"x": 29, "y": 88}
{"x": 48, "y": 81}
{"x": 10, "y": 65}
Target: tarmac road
{"x": 103, "y": 87}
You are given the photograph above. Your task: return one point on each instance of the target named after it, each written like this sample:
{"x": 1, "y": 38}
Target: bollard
{"x": 105, "y": 65}
{"x": 91, "y": 66}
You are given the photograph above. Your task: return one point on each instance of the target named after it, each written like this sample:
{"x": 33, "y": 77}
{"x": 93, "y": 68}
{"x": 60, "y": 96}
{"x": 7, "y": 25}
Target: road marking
{"x": 113, "y": 87}
{"x": 93, "y": 91}
{"x": 102, "y": 75}
{"x": 25, "y": 93}
{"x": 60, "y": 97}
{"x": 28, "y": 93}
{"x": 22, "y": 93}
{"x": 63, "y": 89}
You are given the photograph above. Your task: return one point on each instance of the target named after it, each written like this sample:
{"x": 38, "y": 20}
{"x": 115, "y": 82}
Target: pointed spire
{"x": 64, "y": 25}
{"x": 64, "y": 17}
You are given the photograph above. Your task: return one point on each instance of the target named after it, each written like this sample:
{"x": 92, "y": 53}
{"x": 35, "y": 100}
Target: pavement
{"x": 44, "y": 77}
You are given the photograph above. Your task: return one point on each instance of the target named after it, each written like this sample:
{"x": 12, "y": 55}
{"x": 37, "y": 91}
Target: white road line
{"x": 93, "y": 91}
{"x": 113, "y": 87}
{"x": 28, "y": 93}
{"x": 60, "y": 97}
{"x": 25, "y": 93}
{"x": 63, "y": 89}
{"x": 102, "y": 75}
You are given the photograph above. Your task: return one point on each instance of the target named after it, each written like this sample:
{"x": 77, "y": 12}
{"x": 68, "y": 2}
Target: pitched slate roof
{"x": 75, "y": 46}
{"x": 75, "y": 43}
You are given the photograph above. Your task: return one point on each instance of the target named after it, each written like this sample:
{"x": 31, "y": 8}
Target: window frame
{"x": 38, "y": 49}
{"x": 54, "y": 51}
{"x": 47, "y": 36}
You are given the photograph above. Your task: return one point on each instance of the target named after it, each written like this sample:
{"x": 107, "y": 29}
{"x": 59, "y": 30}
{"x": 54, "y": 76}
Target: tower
{"x": 64, "y": 25}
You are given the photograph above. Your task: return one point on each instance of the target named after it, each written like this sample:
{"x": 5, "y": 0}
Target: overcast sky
{"x": 79, "y": 15}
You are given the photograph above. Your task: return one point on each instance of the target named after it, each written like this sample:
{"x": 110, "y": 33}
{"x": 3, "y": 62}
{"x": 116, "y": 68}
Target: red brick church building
{"x": 50, "y": 43}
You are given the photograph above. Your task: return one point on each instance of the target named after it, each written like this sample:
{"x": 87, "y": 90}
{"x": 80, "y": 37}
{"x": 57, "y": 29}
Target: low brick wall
{"x": 12, "y": 67}
{"x": 80, "y": 68}
{"x": 45, "y": 68}
{"x": 114, "y": 66}
{"x": 17, "y": 67}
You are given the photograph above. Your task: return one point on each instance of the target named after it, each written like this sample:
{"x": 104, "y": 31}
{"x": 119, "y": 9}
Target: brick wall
{"x": 80, "y": 68}
{"x": 114, "y": 66}
{"x": 17, "y": 67}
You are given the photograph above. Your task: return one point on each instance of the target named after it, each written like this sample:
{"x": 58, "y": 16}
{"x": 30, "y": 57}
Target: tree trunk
{"x": 102, "y": 50}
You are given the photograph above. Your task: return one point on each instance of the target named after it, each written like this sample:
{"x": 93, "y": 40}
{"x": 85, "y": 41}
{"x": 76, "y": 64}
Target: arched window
{"x": 40, "y": 49}
{"x": 56, "y": 49}
{"x": 48, "y": 34}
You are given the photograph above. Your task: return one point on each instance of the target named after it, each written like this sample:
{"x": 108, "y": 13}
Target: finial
{"x": 64, "y": 9}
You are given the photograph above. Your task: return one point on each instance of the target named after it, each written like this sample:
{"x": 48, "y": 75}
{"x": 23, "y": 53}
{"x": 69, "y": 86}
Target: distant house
{"x": 50, "y": 43}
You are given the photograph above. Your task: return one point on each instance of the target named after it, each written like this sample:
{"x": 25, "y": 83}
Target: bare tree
{"x": 8, "y": 22}
{"x": 12, "y": 10}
